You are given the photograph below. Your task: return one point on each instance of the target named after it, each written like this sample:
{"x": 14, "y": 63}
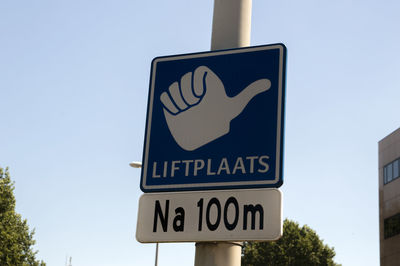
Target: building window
{"x": 392, "y": 226}
{"x": 391, "y": 171}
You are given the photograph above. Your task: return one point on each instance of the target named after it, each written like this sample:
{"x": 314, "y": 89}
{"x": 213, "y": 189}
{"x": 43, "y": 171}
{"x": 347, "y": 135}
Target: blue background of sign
{"x": 252, "y": 132}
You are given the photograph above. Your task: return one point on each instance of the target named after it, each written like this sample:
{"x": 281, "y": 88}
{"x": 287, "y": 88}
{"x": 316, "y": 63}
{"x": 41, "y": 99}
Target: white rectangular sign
{"x": 228, "y": 215}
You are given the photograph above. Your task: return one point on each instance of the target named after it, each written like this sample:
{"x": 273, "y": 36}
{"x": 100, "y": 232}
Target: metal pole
{"x": 218, "y": 254}
{"x": 156, "y": 263}
{"x": 230, "y": 29}
{"x": 231, "y": 25}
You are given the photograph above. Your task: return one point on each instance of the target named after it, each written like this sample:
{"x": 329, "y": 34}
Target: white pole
{"x": 231, "y": 25}
{"x": 230, "y": 29}
{"x": 218, "y": 254}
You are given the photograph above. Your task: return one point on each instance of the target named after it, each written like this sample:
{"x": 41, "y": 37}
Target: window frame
{"x": 389, "y": 171}
{"x": 391, "y": 226}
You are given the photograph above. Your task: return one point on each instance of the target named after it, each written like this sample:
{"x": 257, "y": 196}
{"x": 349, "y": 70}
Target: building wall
{"x": 389, "y": 199}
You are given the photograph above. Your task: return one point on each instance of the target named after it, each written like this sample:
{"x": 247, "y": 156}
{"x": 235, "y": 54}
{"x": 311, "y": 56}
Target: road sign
{"x": 229, "y": 215}
{"x": 215, "y": 120}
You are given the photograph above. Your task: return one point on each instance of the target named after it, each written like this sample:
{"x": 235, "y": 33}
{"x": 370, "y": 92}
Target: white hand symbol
{"x": 198, "y": 110}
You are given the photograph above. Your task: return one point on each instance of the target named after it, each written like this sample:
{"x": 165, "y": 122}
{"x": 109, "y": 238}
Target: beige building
{"x": 389, "y": 199}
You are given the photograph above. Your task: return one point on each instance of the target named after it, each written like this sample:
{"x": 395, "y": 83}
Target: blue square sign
{"x": 215, "y": 120}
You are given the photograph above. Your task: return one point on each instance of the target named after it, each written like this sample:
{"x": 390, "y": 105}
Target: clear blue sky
{"x": 74, "y": 80}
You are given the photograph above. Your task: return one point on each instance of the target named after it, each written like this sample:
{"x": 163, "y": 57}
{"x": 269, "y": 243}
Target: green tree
{"x": 16, "y": 240}
{"x": 299, "y": 246}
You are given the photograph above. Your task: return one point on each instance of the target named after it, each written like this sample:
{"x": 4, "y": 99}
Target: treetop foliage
{"x": 299, "y": 246}
{"x": 16, "y": 240}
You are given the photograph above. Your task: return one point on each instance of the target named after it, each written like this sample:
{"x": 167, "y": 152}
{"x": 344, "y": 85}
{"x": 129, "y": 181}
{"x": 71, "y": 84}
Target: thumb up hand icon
{"x": 197, "y": 109}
